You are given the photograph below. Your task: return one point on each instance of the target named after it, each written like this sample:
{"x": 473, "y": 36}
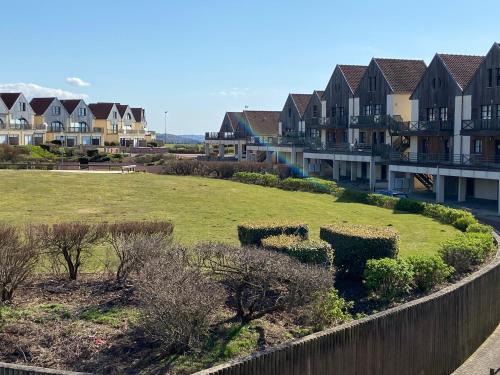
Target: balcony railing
{"x": 17, "y": 126}
{"x": 416, "y": 127}
{"x": 287, "y": 140}
{"x": 478, "y": 125}
{"x": 131, "y": 131}
{"x": 447, "y": 159}
{"x": 327, "y": 122}
{"x": 375, "y": 121}
{"x": 348, "y": 148}
{"x": 223, "y": 135}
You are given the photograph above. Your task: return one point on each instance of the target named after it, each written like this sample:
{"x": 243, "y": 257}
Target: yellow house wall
{"x": 402, "y": 106}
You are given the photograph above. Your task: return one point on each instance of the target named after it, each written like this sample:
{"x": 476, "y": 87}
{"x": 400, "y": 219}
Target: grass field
{"x": 202, "y": 209}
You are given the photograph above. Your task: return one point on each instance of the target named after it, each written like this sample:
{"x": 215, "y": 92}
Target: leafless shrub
{"x": 178, "y": 301}
{"x": 260, "y": 282}
{"x": 69, "y": 243}
{"x": 136, "y": 242}
{"x": 18, "y": 256}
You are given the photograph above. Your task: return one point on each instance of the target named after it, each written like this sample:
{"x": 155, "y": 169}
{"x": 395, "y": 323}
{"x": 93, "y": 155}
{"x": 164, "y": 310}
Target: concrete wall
{"x": 431, "y": 335}
{"x": 485, "y": 189}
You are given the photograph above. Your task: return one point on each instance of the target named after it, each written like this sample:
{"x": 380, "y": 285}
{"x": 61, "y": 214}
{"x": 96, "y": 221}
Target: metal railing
{"x": 422, "y": 126}
{"x": 333, "y": 122}
{"x": 375, "y": 121}
{"x": 223, "y": 135}
{"x": 348, "y": 148}
{"x": 285, "y": 140}
{"x": 474, "y": 125}
{"x": 446, "y": 159}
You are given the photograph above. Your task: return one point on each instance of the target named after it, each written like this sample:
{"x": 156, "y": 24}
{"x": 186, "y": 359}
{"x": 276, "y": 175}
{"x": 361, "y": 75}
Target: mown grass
{"x": 202, "y": 209}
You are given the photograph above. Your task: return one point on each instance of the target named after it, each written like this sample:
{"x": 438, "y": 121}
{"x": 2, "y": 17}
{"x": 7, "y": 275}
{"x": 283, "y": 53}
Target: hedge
{"x": 354, "y": 244}
{"x": 265, "y": 179}
{"x": 306, "y": 251}
{"x": 429, "y": 271}
{"x": 313, "y": 185}
{"x": 254, "y": 233}
{"x": 387, "y": 278}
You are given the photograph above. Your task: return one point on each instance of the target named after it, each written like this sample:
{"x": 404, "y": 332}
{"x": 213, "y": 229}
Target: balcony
{"x": 16, "y": 126}
{"x": 328, "y": 122}
{"x": 286, "y": 140}
{"x": 223, "y": 135}
{"x": 422, "y": 127}
{"x": 347, "y": 148}
{"x": 132, "y": 131}
{"x": 484, "y": 127}
{"x": 375, "y": 121}
{"x": 482, "y": 162}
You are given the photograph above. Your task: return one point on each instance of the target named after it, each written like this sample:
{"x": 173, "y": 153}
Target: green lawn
{"x": 201, "y": 208}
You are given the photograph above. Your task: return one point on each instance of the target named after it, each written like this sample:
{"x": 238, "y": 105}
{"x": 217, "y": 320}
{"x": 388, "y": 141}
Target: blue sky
{"x": 198, "y": 59}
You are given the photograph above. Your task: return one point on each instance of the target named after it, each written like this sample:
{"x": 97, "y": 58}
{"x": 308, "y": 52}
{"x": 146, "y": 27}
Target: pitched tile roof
{"x": 319, "y": 93}
{"x": 9, "y": 98}
{"x": 40, "y": 105}
{"x": 70, "y": 104}
{"x": 353, "y": 75}
{"x": 121, "y": 108}
{"x": 138, "y": 114}
{"x": 301, "y": 101}
{"x": 263, "y": 122}
{"x": 101, "y": 110}
{"x": 234, "y": 118}
{"x": 401, "y": 75}
{"x": 461, "y": 67}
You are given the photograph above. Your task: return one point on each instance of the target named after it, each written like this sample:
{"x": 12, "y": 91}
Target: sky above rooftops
{"x": 199, "y": 59}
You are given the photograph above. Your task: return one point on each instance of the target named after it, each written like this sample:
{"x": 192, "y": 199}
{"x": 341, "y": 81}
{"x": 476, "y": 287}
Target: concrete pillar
{"x": 409, "y": 182}
{"x": 462, "y": 188}
{"x": 439, "y": 189}
{"x": 392, "y": 179}
{"x": 372, "y": 176}
{"x": 305, "y": 167}
{"x": 277, "y": 157}
{"x": 293, "y": 156}
{"x": 239, "y": 151}
{"x": 221, "y": 150}
{"x": 207, "y": 149}
{"x": 354, "y": 170}
{"x": 336, "y": 170}
{"x": 269, "y": 156}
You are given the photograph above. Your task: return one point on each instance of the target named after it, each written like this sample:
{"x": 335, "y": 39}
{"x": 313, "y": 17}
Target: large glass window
{"x": 443, "y": 114}
{"x": 368, "y": 110}
{"x": 56, "y": 126}
{"x": 377, "y": 109}
{"x": 431, "y": 114}
{"x": 86, "y": 140}
{"x": 56, "y": 110}
{"x": 478, "y": 146}
{"x": 3, "y": 139}
{"x": 82, "y": 111}
{"x": 486, "y": 112}
{"x": 28, "y": 139}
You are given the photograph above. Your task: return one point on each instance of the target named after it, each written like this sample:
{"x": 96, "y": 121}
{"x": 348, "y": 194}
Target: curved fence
{"x": 431, "y": 335}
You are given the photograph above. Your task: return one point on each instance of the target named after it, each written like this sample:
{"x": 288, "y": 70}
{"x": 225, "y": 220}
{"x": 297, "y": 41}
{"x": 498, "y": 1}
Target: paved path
{"x": 485, "y": 358}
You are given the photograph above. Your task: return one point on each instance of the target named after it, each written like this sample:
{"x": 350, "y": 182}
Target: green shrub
{"x": 254, "y": 233}
{"x": 354, "y": 244}
{"x": 447, "y": 215}
{"x": 410, "y": 205}
{"x": 464, "y": 222}
{"x": 306, "y": 251}
{"x": 329, "y": 309}
{"x": 429, "y": 271}
{"x": 383, "y": 201}
{"x": 263, "y": 179}
{"x": 479, "y": 228}
{"x": 350, "y": 195}
{"x": 388, "y": 279}
{"x": 466, "y": 251}
{"x": 313, "y": 185}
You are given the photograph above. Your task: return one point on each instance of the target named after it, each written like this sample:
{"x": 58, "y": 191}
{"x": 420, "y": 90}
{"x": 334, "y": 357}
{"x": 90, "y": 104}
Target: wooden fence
{"x": 433, "y": 335}
{"x": 13, "y": 369}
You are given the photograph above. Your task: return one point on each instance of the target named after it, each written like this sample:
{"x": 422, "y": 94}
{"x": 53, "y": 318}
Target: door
{"x": 469, "y": 190}
{"x": 497, "y": 151}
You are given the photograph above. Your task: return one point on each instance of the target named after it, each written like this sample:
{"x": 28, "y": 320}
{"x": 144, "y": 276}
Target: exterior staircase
{"x": 426, "y": 180}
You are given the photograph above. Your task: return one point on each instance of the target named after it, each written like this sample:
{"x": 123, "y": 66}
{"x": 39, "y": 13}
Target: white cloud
{"x": 75, "y": 81}
{"x": 31, "y": 90}
{"x": 235, "y": 92}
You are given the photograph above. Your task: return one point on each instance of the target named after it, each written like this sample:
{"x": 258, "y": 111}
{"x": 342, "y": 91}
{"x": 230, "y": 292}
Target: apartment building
{"x": 80, "y": 129}
{"x": 17, "y": 121}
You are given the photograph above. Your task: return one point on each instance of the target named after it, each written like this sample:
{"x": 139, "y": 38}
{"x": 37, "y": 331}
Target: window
{"x": 115, "y": 114}
{"x": 368, "y": 110}
{"x": 289, "y": 111}
{"x": 431, "y": 114}
{"x": 334, "y": 112}
{"x": 434, "y": 83}
{"x": 56, "y": 110}
{"x": 490, "y": 77}
{"x": 83, "y": 126}
{"x": 362, "y": 137}
{"x": 486, "y": 112}
{"x": 344, "y": 137}
{"x": 129, "y": 116}
{"x": 372, "y": 83}
{"x": 56, "y": 126}
{"x": 443, "y": 114}
{"x": 377, "y": 109}
{"x": 498, "y": 110}
{"x": 315, "y": 111}
{"x": 478, "y": 146}
{"x": 82, "y": 111}
{"x": 381, "y": 137}
{"x": 22, "y": 106}
{"x": 498, "y": 76}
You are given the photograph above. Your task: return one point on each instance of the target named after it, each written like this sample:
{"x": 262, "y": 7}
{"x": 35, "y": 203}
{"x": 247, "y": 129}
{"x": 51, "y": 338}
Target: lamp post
{"x": 166, "y": 128}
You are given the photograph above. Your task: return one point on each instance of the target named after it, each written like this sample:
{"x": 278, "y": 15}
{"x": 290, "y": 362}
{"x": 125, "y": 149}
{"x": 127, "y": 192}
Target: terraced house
{"x": 81, "y": 129}
{"x": 17, "y": 121}
{"x": 454, "y": 135}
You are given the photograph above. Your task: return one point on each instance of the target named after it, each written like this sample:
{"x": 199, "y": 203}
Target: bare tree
{"x": 179, "y": 302}
{"x": 259, "y": 281}
{"x": 69, "y": 243}
{"x": 18, "y": 256}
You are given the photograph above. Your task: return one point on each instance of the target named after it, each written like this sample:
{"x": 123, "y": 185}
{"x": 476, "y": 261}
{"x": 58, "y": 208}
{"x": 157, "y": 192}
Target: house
{"x": 128, "y": 136}
{"x": 108, "y": 119}
{"x": 51, "y": 115}
{"x": 80, "y": 130}
{"x": 328, "y": 134}
{"x": 140, "y": 123}
{"x": 291, "y": 121}
{"x": 17, "y": 121}
{"x": 455, "y": 146}
{"x": 232, "y": 132}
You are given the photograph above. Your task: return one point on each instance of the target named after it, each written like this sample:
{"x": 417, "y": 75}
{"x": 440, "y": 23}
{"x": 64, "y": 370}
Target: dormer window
{"x": 56, "y": 111}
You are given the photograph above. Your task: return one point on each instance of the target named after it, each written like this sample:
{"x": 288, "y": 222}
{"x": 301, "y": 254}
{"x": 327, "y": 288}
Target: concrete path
{"x": 484, "y": 359}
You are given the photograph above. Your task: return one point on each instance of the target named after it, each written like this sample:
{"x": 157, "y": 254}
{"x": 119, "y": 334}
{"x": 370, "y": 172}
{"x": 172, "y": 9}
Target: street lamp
{"x": 166, "y": 128}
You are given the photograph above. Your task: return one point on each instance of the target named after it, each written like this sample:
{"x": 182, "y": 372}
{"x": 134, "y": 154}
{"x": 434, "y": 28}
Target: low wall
{"x": 431, "y": 335}
{"x": 12, "y": 369}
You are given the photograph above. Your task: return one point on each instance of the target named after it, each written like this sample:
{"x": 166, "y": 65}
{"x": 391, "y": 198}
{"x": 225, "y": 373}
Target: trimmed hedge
{"x": 310, "y": 184}
{"x": 306, "y": 251}
{"x": 479, "y": 228}
{"x": 354, "y": 244}
{"x": 387, "y": 278}
{"x": 383, "y": 201}
{"x": 429, "y": 271}
{"x": 254, "y": 233}
{"x": 265, "y": 179}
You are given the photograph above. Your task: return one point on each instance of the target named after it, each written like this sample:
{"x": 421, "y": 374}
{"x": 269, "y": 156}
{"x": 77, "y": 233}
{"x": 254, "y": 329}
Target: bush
{"x": 410, "y": 205}
{"x": 329, "y": 309}
{"x": 429, "y": 271}
{"x": 388, "y": 279}
{"x": 350, "y": 195}
{"x": 178, "y": 301}
{"x": 313, "y": 185}
{"x": 306, "y": 251}
{"x": 447, "y": 215}
{"x": 253, "y": 233}
{"x": 12, "y": 153}
{"x": 265, "y": 179}
{"x": 260, "y": 282}
{"x": 464, "y": 222}
{"x": 383, "y": 201}
{"x": 479, "y": 228}
{"x": 354, "y": 244}
{"x": 466, "y": 251}
{"x": 18, "y": 256}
